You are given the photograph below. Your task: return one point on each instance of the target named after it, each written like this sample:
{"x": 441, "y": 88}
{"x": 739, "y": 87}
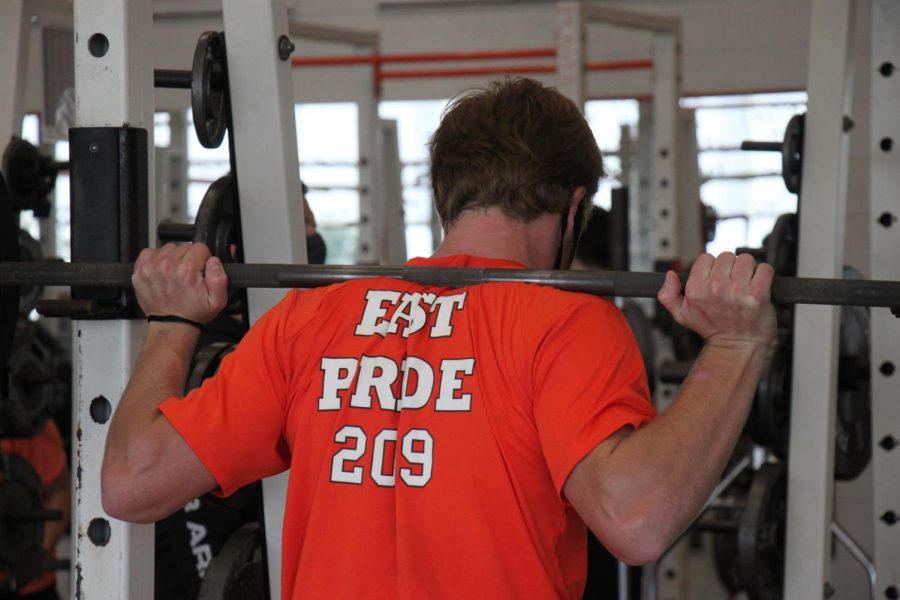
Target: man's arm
{"x": 148, "y": 469}
{"x": 639, "y": 490}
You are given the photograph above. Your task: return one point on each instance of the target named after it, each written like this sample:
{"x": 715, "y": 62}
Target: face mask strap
{"x": 576, "y": 234}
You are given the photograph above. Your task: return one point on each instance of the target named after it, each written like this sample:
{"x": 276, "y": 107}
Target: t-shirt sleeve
{"x": 234, "y": 422}
{"x": 589, "y": 382}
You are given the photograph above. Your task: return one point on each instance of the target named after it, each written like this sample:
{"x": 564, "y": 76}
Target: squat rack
{"x": 884, "y": 173}
{"x": 109, "y": 569}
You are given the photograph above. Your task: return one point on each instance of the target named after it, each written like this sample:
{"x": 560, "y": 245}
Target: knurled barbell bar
{"x": 785, "y": 290}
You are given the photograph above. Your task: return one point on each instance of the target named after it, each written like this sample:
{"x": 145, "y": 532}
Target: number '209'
{"x": 416, "y": 447}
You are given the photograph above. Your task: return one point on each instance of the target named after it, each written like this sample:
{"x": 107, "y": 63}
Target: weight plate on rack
{"x": 20, "y": 497}
{"x": 853, "y": 434}
{"x": 206, "y": 363}
{"x": 853, "y": 425}
{"x": 643, "y": 332}
{"x": 9, "y": 294}
{"x": 727, "y": 509}
{"x": 725, "y": 556}
{"x": 792, "y": 153}
{"x": 34, "y": 390}
{"x": 236, "y": 572}
{"x": 31, "y": 177}
{"x": 215, "y": 227}
{"x": 209, "y": 85}
{"x": 781, "y": 246}
{"x": 761, "y": 534}
{"x": 769, "y": 421}
{"x": 29, "y": 251}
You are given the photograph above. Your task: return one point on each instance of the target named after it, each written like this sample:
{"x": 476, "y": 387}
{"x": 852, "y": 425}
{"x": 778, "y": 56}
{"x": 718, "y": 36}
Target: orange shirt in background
{"x": 46, "y": 454}
{"x": 429, "y": 432}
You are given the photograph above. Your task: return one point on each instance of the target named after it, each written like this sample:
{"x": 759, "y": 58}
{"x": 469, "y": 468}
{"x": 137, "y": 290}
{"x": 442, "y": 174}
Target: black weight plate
{"x": 769, "y": 421}
{"x": 30, "y": 176}
{"x": 236, "y": 572}
{"x": 853, "y": 434}
{"x": 208, "y": 100}
{"x": 853, "y": 425}
{"x": 686, "y": 344}
{"x": 643, "y": 332}
{"x": 761, "y": 533}
{"x": 215, "y": 227}
{"x": 855, "y": 328}
{"x": 725, "y": 557}
{"x": 29, "y": 250}
{"x": 792, "y": 153}
{"x": 206, "y": 363}
{"x": 725, "y": 548}
{"x": 34, "y": 390}
{"x": 20, "y": 493}
{"x": 16, "y": 537}
{"x": 9, "y": 294}
{"x": 781, "y": 246}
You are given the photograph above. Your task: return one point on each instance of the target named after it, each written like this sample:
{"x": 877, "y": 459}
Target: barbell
{"x": 785, "y": 290}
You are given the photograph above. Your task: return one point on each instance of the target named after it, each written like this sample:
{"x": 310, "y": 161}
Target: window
{"x": 606, "y": 119}
{"x": 745, "y": 188}
{"x": 205, "y": 165}
{"x": 162, "y": 131}
{"x": 416, "y": 123}
{"x": 328, "y": 149}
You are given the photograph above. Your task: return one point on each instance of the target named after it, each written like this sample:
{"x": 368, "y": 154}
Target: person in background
{"x": 45, "y": 453}
{"x": 316, "y": 252}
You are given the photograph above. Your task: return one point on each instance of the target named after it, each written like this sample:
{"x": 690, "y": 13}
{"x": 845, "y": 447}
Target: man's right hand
{"x": 726, "y": 300}
{"x": 184, "y": 281}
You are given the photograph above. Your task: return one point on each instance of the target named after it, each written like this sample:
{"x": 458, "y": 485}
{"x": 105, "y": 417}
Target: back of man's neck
{"x": 489, "y": 233}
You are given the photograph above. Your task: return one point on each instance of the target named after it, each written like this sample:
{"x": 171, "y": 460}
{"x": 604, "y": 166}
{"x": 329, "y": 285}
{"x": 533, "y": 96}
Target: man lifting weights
{"x": 449, "y": 442}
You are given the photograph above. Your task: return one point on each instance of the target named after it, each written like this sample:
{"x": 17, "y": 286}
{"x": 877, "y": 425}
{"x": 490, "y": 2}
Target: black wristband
{"x": 174, "y": 319}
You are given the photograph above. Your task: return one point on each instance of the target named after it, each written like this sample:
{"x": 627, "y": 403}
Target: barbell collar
{"x": 181, "y": 79}
{"x": 172, "y": 79}
{"x": 761, "y": 146}
{"x": 785, "y": 290}
{"x": 175, "y": 232}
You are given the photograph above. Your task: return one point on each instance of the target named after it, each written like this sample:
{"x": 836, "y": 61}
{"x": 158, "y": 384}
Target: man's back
{"x": 526, "y": 393}
{"x": 429, "y": 432}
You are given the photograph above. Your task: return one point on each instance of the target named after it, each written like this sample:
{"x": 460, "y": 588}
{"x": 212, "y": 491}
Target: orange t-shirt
{"x": 429, "y": 432}
{"x": 46, "y": 454}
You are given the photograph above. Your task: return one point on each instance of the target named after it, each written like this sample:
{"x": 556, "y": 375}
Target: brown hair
{"x": 515, "y": 144}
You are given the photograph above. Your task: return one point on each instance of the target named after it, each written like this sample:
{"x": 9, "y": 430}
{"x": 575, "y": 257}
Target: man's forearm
{"x": 159, "y": 374}
{"x": 149, "y": 469}
{"x": 668, "y": 468}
